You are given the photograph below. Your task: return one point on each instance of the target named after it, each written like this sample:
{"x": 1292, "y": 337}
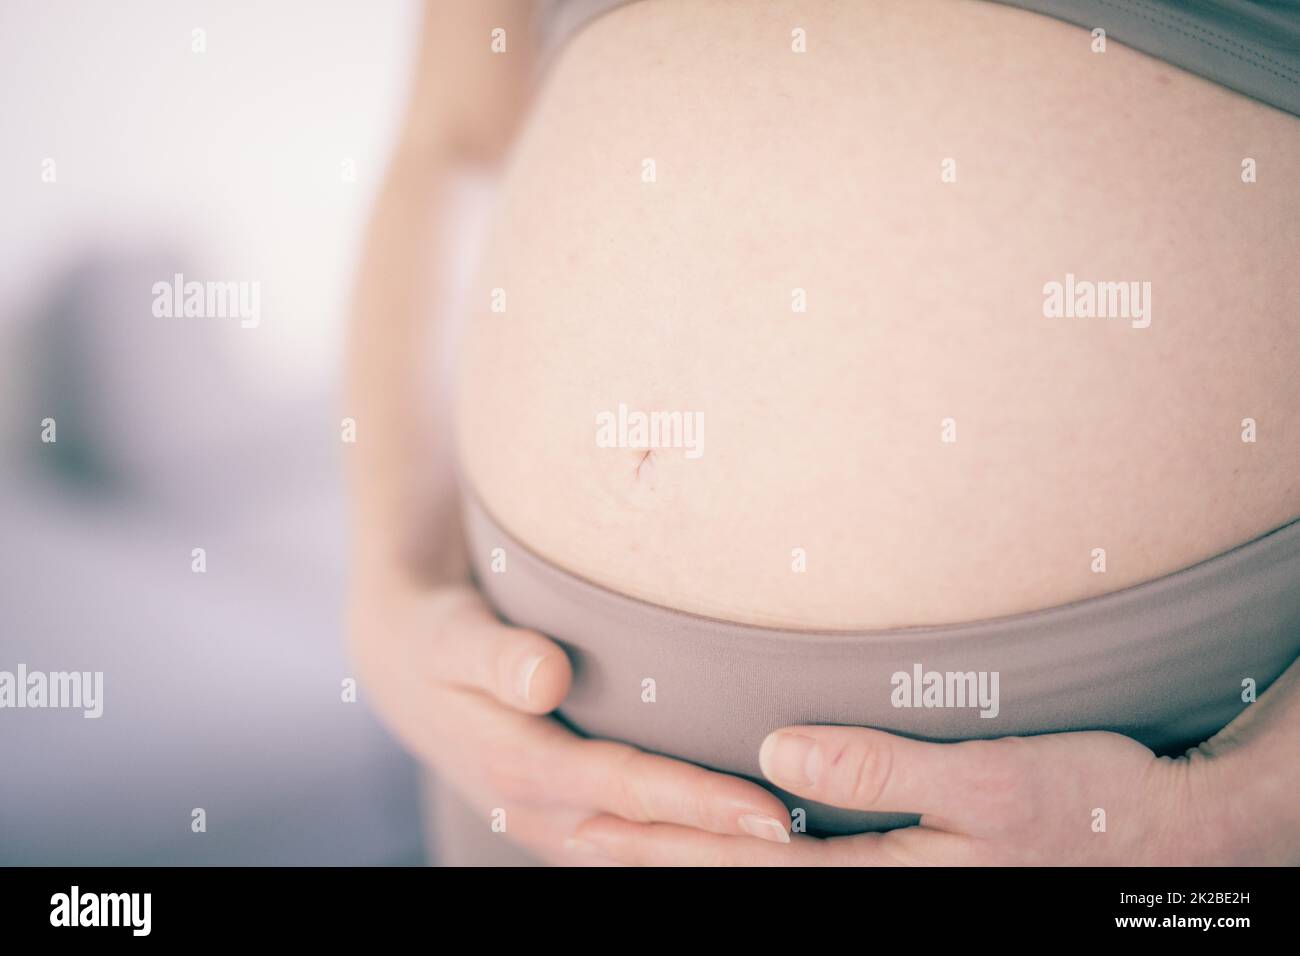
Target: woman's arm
{"x": 465, "y": 105}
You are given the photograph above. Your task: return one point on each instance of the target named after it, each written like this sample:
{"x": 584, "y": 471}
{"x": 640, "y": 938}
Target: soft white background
{"x": 222, "y": 689}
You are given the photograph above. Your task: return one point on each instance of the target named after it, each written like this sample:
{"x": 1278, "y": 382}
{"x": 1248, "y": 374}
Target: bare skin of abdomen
{"x": 921, "y": 439}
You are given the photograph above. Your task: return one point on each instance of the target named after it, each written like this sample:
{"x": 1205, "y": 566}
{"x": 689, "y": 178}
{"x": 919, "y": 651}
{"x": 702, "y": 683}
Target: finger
{"x": 866, "y": 769}
{"x": 443, "y": 724}
{"x": 646, "y": 788}
{"x": 656, "y": 844}
{"x": 539, "y": 831}
{"x": 461, "y": 641}
{"x": 637, "y": 844}
{"x": 908, "y": 846}
{"x": 617, "y": 840}
{"x": 539, "y": 760}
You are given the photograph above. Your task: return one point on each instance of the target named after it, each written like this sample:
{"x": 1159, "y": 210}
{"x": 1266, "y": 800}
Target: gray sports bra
{"x": 1251, "y": 46}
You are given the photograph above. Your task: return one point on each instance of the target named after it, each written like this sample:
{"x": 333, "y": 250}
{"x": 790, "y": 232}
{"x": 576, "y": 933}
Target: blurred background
{"x": 227, "y": 141}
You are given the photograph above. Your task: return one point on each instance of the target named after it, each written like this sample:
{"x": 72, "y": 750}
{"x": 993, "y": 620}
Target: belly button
{"x": 645, "y": 468}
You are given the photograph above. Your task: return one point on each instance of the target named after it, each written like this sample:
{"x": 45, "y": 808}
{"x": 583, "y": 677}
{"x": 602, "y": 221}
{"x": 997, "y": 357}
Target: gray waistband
{"x": 1163, "y": 662}
{"x": 1251, "y": 46}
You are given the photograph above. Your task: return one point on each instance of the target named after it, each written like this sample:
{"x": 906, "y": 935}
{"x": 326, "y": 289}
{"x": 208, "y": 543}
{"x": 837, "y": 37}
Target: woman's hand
{"x": 1013, "y": 801}
{"x": 467, "y": 695}
{"x": 1056, "y": 799}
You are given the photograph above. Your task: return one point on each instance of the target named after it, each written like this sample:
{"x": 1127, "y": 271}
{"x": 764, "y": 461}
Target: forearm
{"x": 401, "y": 476}
{"x": 465, "y": 103}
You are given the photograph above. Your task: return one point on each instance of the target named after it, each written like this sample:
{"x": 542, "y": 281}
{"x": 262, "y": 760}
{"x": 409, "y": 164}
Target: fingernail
{"x": 765, "y": 828}
{"x": 791, "y": 759}
{"x": 530, "y": 671}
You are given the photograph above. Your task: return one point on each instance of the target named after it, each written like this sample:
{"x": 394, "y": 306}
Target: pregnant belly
{"x": 946, "y": 318}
